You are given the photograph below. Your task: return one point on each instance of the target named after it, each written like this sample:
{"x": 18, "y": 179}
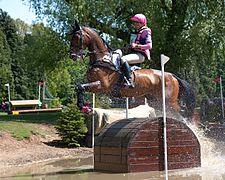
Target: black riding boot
{"x": 127, "y": 74}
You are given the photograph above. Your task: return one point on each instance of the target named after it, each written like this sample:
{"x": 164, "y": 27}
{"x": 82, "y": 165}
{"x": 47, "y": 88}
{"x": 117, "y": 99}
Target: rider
{"x": 141, "y": 44}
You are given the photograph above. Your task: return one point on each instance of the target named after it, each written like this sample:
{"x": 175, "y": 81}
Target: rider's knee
{"x": 123, "y": 60}
{"x": 118, "y": 51}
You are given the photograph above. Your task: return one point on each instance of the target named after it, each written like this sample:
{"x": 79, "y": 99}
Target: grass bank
{"x": 24, "y": 125}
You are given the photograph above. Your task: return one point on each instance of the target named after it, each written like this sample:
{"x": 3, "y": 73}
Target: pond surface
{"x": 82, "y": 169}
{"x": 212, "y": 168}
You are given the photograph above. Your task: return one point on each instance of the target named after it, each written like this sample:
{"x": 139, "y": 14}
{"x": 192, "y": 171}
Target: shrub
{"x": 71, "y": 126}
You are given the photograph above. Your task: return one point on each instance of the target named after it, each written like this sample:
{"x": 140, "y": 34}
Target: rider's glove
{"x": 134, "y": 46}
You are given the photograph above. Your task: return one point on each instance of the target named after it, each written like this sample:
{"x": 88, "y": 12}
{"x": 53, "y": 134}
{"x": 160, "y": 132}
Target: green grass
{"x": 18, "y": 130}
{"x": 23, "y": 126}
{"x": 45, "y": 118}
{"x": 3, "y": 113}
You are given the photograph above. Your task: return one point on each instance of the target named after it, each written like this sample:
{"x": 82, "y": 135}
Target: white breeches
{"x": 133, "y": 58}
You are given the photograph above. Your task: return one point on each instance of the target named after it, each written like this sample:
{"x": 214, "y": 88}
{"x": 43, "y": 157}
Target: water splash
{"x": 212, "y": 158}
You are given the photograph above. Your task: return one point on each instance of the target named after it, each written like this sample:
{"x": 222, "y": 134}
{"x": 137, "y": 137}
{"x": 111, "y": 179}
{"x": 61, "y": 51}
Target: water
{"x": 212, "y": 156}
{"x": 212, "y": 159}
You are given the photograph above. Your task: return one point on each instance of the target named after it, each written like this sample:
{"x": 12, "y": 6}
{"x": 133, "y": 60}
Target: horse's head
{"x": 82, "y": 38}
{"x": 76, "y": 42}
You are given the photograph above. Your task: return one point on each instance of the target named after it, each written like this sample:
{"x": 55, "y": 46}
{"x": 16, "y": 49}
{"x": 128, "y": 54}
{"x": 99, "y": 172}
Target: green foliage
{"x": 211, "y": 110}
{"x": 15, "y": 70}
{"x": 46, "y": 53}
{"x": 71, "y": 126}
{"x": 103, "y": 101}
{"x": 5, "y": 66}
{"x": 29, "y": 54}
{"x": 44, "y": 49}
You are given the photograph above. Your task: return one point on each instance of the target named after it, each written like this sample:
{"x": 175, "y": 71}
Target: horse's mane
{"x": 97, "y": 33}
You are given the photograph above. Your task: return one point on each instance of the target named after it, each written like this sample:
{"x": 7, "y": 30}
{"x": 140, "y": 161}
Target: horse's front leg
{"x": 85, "y": 87}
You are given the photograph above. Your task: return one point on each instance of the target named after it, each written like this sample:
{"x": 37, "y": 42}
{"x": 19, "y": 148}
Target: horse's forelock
{"x": 76, "y": 26}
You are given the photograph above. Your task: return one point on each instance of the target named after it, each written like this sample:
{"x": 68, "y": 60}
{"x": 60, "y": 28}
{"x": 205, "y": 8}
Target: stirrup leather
{"x": 129, "y": 82}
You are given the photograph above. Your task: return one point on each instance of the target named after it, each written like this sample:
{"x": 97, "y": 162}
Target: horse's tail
{"x": 187, "y": 97}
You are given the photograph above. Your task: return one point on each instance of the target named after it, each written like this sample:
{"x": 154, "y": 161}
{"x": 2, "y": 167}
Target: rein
{"x": 86, "y": 53}
{"x": 82, "y": 52}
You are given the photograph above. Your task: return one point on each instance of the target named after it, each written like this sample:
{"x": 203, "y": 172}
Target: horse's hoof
{"x": 86, "y": 109}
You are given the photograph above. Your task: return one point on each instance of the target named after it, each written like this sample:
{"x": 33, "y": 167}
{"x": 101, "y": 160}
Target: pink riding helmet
{"x": 140, "y": 18}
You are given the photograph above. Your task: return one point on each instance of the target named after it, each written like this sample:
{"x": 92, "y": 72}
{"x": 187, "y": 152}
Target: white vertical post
{"x": 8, "y": 87}
{"x": 164, "y": 60}
{"x": 39, "y": 91}
{"x": 127, "y": 107}
{"x": 93, "y": 119}
{"x": 43, "y": 91}
{"x": 9, "y": 93}
{"x": 221, "y": 94}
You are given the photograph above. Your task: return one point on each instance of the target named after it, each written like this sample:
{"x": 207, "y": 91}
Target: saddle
{"x": 112, "y": 61}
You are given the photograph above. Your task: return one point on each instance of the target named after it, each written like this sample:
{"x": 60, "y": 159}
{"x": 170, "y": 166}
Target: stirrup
{"x": 129, "y": 82}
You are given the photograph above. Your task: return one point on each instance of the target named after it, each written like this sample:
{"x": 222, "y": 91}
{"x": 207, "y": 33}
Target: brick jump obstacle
{"x": 136, "y": 145}
{"x": 147, "y": 144}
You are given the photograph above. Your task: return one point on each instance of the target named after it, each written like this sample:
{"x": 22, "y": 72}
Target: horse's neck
{"x": 98, "y": 49}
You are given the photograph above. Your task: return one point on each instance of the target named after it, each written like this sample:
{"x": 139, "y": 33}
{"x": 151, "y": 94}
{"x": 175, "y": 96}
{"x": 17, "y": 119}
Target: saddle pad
{"x": 133, "y": 68}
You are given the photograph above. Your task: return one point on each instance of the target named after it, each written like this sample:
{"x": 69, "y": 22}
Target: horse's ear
{"x": 76, "y": 26}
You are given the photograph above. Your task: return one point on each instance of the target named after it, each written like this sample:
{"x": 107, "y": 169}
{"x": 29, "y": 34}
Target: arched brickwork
{"x": 136, "y": 145}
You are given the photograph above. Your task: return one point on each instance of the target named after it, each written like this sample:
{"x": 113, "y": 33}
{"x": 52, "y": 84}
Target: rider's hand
{"x": 134, "y": 46}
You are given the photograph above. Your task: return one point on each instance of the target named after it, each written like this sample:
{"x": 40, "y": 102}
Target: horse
{"x": 103, "y": 77}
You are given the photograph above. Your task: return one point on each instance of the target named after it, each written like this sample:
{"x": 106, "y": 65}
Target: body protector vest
{"x": 143, "y": 36}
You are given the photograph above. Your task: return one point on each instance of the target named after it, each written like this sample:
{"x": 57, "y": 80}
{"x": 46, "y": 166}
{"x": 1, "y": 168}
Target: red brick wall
{"x": 136, "y": 145}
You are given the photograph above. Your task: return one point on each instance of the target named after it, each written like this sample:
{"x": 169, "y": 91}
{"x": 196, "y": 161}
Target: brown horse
{"x": 103, "y": 77}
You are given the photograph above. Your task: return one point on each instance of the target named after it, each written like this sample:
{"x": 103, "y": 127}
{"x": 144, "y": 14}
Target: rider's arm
{"x": 145, "y": 46}
{"x": 148, "y": 41}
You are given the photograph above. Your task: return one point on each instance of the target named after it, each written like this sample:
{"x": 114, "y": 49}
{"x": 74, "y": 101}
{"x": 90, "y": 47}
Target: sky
{"x": 18, "y": 9}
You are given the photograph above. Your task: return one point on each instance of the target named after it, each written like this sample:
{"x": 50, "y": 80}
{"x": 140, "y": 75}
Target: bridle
{"x": 81, "y": 53}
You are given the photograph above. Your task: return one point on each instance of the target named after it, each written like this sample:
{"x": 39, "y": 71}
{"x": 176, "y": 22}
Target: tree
{"x": 44, "y": 48}
{"x": 71, "y": 127}
{"x": 29, "y": 54}
{"x": 5, "y": 67}
{"x": 46, "y": 54}
{"x": 7, "y": 25}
